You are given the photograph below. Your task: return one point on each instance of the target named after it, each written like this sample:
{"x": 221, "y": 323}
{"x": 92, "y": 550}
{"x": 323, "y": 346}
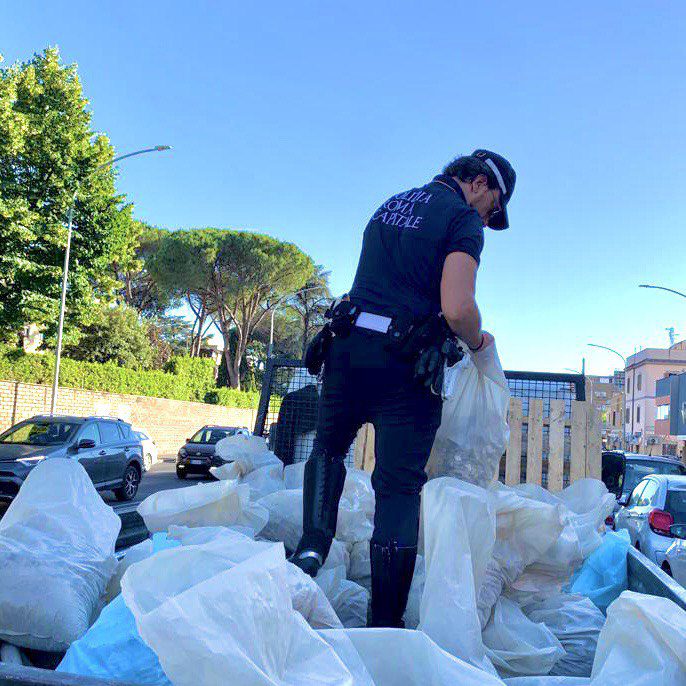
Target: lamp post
{"x": 65, "y": 270}
{"x": 270, "y": 348}
{"x": 662, "y": 288}
{"x": 622, "y": 413}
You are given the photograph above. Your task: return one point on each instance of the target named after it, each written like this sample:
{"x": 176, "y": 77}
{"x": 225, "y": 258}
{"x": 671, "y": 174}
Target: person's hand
{"x": 486, "y": 340}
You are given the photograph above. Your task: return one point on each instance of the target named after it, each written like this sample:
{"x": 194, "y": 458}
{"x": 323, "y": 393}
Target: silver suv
{"x": 106, "y": 447}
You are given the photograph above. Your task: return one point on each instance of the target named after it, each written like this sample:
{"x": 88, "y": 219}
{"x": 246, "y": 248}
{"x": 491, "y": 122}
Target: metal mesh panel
{"x": 287, "y": 378}
{"x": 284, "y": 377}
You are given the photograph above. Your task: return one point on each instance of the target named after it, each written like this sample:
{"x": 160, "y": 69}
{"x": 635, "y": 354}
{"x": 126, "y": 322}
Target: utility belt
{"x": 427, "y": 342}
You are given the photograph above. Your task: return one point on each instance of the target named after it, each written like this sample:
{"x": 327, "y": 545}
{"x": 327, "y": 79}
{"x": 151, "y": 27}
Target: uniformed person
{"x": 383, "y": 354}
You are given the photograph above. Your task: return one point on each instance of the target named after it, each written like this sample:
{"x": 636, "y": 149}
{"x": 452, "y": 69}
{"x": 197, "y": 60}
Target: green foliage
{"x": 237, "y": 275}
{"x": 115, "y": 336}
{"x": 232, "y": 397}
{"x": 138, "y": 288}
{"x": 186, "y": 378}
{"x": 48, "y": 152}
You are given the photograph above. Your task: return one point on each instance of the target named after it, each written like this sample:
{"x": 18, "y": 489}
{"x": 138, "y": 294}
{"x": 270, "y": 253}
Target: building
{"x": 643, "y": 370}
{"x": 599, "y": 390}
{"x": 670, "y": 416}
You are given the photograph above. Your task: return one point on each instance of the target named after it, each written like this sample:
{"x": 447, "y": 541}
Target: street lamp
{"x": 622, "y": 414}
{"x": 662, "y": 288}
{"x": 65, "y": 270}
{"x": 270, "y": 348}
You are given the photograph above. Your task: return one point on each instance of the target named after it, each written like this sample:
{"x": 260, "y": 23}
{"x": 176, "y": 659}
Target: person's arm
{"x": 458, "y": 303}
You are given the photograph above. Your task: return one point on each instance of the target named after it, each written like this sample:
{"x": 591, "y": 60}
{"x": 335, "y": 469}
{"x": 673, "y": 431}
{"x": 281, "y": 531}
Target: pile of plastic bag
{"x": 57, "y": 543}
{"x": 511, "y": 585}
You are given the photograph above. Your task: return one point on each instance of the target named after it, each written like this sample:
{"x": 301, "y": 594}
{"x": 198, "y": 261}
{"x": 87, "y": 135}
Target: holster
{"x": 341, "y": 315}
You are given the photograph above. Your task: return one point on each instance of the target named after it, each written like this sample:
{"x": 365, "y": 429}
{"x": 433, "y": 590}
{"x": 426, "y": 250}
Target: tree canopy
{"x": 48, "y": 151}
{"x": 234, "y": 277}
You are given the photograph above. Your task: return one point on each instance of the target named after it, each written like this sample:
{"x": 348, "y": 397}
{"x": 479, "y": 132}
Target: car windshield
{"x": 639, "y": 469}
{"x": 211, "y": 436}
{"x": 676, "y": 505}
{"x": 40, "y": 433}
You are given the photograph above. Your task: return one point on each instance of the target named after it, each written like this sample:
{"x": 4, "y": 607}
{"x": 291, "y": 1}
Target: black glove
{"x": 317, "y": 350}
{"x": 429, "y": 367}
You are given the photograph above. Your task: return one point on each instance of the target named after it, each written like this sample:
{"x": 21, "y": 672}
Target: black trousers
{"x": 363, "y": 382}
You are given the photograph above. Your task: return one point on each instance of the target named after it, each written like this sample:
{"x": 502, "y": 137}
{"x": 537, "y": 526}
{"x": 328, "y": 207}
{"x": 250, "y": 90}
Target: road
{"x": 160, "y": 477}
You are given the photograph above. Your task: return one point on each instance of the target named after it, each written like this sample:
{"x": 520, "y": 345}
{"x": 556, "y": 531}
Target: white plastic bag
{"x": 576, "y": 622}
{"x": 643, "y": 643}
{"x": 223, "y": 503}
{"x": 246, "y": 453}
{"x": 285, "y": 522}
{"x": 56, "y": 555}
{"x": 414, "y": 598}
{"x": 474, "y": 432}
{"x": 293, "y": 475}
{"x": 516, "y": 645}
{"x": 525, "y": 530}
{"x": 399, "y": 657}
{"x": 459, "y": 533}
{"x": 583, "y": 508}
{"x": 348, "y": 599}
{"x": 235, "y": 626}
{"x": 360, "y": 570}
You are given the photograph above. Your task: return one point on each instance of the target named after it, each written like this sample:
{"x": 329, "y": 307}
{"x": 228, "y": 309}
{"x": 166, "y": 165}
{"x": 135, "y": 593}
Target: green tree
{"x": 181, "y": 266}
{"x": 48, "y": 150}
{"x": 310, "y": 304}
{"x": 169, "y": 335}
{"x": 138, "y": 288}
{"x": 238, "y": 276}
{"x": 115, "y": 336}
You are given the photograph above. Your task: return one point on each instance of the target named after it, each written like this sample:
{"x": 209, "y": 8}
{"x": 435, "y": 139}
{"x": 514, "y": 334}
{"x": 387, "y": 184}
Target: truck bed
{"x": 644, "y": 577}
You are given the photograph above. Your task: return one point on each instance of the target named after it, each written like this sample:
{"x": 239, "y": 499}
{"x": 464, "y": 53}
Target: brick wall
{"x": 167, "y": 422}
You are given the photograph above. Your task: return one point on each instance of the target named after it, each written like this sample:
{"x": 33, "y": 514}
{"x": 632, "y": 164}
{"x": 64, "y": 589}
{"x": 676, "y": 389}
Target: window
{"x": 90, "y": 431}
{"x": 628, "y": 384}
{"x": 211, "y": 436}
{"x": 109, "y": 433}
{"x": 614, "y": 418}
{"x": 40, "y": 433}
{"x": 648, "y": 494}
{"x": 676, "y": 505}
{"x": 638, "y": 413}
{"x": 636, "y": 494}
{"x": 662, "y": 412}
{"x": 627, "y": 414}
{"x": 125, "y": 431}
{"x": 638, "y": 382}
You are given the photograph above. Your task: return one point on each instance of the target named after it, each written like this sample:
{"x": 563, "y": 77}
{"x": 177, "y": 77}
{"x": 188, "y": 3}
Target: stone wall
{"x": 167, "y": 422}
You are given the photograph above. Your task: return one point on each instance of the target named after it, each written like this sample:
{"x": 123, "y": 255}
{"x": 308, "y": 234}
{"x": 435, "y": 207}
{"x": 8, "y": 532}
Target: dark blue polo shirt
{"x": 405, "y": 245}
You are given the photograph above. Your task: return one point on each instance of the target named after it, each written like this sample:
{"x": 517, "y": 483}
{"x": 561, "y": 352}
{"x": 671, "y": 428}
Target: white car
{"x": 675, "y": 558}
{"x": 657, "y": 502}
{"x": 149, "y": 448}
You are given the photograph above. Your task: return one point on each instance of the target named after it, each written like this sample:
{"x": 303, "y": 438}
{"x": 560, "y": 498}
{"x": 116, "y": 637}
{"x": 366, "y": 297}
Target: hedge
{"x": 185, "y": 378}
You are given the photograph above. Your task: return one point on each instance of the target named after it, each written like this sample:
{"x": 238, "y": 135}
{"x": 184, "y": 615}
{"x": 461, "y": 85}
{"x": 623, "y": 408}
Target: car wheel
{"x": 666, "y": 568}
{"x": 129, "y": 487}
{"x": 180, "y": 474}
{"x": 147, "y": 461}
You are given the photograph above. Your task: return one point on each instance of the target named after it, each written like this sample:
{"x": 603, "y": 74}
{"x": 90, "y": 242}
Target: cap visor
{"x": 500, "y": 221}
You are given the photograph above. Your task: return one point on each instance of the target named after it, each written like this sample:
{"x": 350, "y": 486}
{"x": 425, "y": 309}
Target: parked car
{"x": 622, "y": 471}
{"x": 109, "y": 451}
{"x": 149, "y": 448}
{"x": 657, "y": 502}
{"x": 197, "y": 456}
{"x": 675, "y": 557}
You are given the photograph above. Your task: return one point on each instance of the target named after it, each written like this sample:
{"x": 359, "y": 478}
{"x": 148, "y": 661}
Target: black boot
{"x": 392, "y": 570}
{"x": 322, "y": 488}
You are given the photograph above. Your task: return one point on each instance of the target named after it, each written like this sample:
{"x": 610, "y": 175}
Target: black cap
{"x": 505, "y": 175}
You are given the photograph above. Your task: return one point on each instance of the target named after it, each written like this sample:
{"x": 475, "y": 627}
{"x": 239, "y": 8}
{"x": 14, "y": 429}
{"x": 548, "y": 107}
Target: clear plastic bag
{"x": 474, "y": 432}
{"x": 223, "y": 503}
{"x": 56, "y": 555}
{"x": 643, "y": 643}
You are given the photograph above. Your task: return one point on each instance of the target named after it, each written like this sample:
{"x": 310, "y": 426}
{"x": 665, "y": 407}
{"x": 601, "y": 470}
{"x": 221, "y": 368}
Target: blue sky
{"x": 298, "y": 119}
